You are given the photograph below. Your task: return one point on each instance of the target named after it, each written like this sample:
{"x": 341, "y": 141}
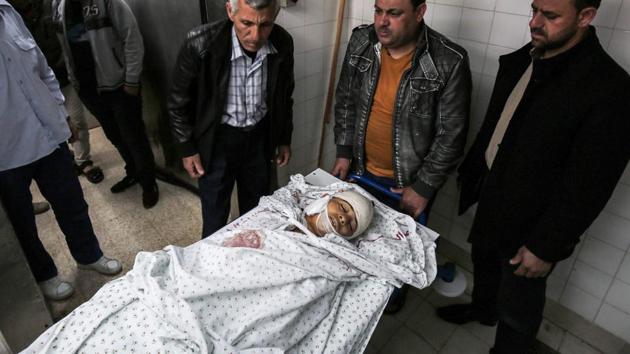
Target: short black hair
{"x": 417, "y": 3}
{"x": 582, "y": 4}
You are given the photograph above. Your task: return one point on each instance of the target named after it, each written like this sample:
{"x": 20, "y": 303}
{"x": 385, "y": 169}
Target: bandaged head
{"x": 347, "y": 214}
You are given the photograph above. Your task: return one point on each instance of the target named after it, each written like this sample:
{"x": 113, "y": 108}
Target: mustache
{"x": 538, "y": 31}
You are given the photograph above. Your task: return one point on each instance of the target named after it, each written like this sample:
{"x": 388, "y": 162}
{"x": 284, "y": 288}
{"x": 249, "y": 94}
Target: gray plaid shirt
{"x": 247, "y": 90}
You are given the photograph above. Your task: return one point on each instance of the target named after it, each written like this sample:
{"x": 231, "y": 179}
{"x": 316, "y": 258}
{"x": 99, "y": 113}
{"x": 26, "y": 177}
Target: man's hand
{"x": 341, "y": 168}
{"x": 411, "y": 202}
{"x": 283, "y": 155}
{"x": 74, "y": 131}
{"x": 131, "y": 90}
{"x": 530, "y": 265}
{"x": 192, "y": 164}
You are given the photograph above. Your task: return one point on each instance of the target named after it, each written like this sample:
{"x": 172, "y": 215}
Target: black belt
{"x": 247, "y": 129}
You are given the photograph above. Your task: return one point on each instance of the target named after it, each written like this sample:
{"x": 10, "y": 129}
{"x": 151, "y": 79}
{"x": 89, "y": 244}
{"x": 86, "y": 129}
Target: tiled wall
{"x": 595, "y": 281}
{"x": 312, "y": 25}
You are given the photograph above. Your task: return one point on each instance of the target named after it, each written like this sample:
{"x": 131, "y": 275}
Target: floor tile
{"x": 386, "y": 328}
{"x": 464, "y": 342}
{"x": 574, "y": 345}
{"x": 425, "y": 323}
{"x": 485, "y": 333}
{"x": 405, "y": 341}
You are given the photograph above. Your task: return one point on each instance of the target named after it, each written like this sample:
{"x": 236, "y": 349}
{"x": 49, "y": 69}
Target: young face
{"x": 342, "y": 217}
{"x": 252, "y": 26}
{"x": 397, "y": 22}
{"x": 557, "y": 24}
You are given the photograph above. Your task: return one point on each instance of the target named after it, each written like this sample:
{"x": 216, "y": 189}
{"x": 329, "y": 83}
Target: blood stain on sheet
{"x": 247, "y": 238}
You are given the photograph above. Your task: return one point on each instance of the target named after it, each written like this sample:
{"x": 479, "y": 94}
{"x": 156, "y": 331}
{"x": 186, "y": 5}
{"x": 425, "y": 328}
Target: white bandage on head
{"x": 363, "y": 210}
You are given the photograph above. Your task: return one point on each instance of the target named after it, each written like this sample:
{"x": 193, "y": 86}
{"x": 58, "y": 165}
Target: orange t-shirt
{"x": 378, "y": 141}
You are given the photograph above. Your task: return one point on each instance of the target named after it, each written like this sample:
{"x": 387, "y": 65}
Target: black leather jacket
{"x": 198, "y": 93}
{"x": 432, "y": 107}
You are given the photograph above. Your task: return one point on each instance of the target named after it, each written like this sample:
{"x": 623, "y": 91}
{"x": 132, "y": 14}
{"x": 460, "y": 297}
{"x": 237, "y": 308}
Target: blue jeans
{"x": 57, "y": 180}
{"x": 237, "y": 156}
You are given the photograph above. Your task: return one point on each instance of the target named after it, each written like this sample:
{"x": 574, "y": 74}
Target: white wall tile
{"x": 476, "y": 54}
{"x": 476, "y": 25}
{"x": 619, "y": 203}
{"x": 480, "y": 4}
{"x": 564, "y": 268}
{"x": 446, "y": 20}
{"x": 508, "y": 30}
{"x": 299, "y": 91}
{"x": 299, "y": 39}
{"x": 315, "y": 86}
{"x": 619, "y": 49}
{"x": 611, "y": 229}
{"x": 450, "y": 2}
{"x": 316, "y": 36}
{"x": 601, "y": 256}
{"x": 624, "y": 270}
{"x": 314, "y": 62}
{"x": 618, "y": 296}
{"x": 581, "y": 302}
{"x": 428, "y": 15}
{"x": 519, "y": 7}
{"x": 615, "y": 321}
{"x": 590, "y": 279}
{"x": 313, "y": 12}
{"x": 368, "y": 11}
{"x": 330, "y": 10}
{"x": 299, "y": 69}
{"x": 291, "y": 17}
{"x": 355, "y": 9}
{"x": 607, "y": 13}
{"x": 555, "y": 286}
{"x": 491, "y": 64}
{"x": 605, "y": 35}
{"x": 623, "y": 21}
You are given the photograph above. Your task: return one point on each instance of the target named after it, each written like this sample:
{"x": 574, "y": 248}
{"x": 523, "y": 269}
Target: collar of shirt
{"x": 237, "y": 51}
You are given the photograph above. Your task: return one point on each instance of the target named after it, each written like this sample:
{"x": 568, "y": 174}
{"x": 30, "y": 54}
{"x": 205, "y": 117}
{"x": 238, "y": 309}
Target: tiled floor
{"x": 124, "y": 228}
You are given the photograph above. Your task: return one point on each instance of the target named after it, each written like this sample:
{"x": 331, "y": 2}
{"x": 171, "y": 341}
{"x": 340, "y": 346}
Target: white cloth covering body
{"x": 254, "y": 287}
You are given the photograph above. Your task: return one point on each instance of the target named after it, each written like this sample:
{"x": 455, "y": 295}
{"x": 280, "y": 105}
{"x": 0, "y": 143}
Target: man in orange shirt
{"x": 402, "y": 108}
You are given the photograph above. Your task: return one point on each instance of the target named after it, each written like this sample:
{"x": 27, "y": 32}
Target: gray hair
{"x": 257, "y": 5}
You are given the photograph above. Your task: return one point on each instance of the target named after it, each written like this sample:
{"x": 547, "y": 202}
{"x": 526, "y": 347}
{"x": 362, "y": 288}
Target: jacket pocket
{"x": 424, "y": 93}
{"x": 360, "y": 63}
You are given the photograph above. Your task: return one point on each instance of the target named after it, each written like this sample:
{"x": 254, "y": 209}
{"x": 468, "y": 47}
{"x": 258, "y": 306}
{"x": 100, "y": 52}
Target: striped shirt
{"x": 247, "y": 90}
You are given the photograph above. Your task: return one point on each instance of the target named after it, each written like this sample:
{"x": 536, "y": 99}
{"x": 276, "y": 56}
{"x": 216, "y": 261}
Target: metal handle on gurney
{"x": 422, "y": 219}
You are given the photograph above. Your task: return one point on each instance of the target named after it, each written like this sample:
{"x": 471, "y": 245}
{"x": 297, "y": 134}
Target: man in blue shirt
{"x": 33, "y": 131}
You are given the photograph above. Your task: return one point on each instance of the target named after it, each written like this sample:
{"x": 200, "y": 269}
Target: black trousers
{"x": 238, "y": 156}
{"x": 517, "y": 301}
{"x": 120, "y": 116}
{"x": 59, "y": 184}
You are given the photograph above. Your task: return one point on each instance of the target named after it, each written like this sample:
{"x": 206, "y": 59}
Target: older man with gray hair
{"x": 230, "y": 106}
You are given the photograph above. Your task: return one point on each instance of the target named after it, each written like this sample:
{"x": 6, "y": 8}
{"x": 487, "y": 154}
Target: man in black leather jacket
{"x": 403, "y": 100}
{"x": 230, "y": 106}
{"x": 549, "y": 154}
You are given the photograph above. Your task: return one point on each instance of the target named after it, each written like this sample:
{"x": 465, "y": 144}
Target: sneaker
{"x": 123, "y": 184}
{"x": 104, "y": 265}
{"x": 56, "y": 289}
{"x": 150, "y": 196}
{"x": 40, "y": 207}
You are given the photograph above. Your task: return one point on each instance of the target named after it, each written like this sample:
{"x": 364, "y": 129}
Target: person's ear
{"x": 586, "y": 16}
{"x": 228, "y": 8}
{"x": 420, "y": 11}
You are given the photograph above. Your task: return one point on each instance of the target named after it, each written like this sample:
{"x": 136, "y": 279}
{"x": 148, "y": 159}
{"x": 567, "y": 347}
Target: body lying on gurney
{"x": 263, "y": 284}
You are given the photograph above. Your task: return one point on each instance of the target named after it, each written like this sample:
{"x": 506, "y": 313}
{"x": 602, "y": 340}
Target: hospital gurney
{"x": 277, "y": 291}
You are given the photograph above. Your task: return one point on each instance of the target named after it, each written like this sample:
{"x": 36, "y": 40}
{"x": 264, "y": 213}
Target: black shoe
{"x": 150, "y": 196}
{"x": 396, "y": 300}
{"x": 464, "y": 313}
{"x": 123, "y": 184}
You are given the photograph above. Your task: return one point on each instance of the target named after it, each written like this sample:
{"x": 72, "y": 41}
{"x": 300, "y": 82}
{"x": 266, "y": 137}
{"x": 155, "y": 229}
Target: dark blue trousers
{"x": 57, "y": 180}
{"x": 238, "y": 156}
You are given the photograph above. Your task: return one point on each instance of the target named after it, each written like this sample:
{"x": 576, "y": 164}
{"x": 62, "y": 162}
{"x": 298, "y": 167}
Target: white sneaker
{"x": 56, "y": 289}
{"x": 104, "y": 265}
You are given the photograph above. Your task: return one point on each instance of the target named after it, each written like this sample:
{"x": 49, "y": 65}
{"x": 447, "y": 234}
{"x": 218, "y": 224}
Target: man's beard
{"x": 564, "y": 38}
